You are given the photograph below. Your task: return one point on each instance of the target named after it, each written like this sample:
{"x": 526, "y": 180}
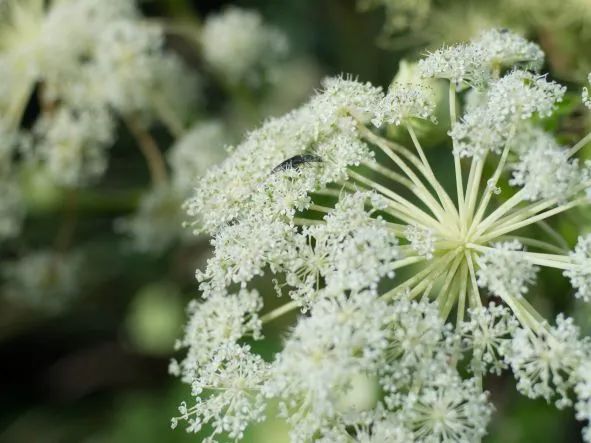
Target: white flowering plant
{"x": 419, "y": 288}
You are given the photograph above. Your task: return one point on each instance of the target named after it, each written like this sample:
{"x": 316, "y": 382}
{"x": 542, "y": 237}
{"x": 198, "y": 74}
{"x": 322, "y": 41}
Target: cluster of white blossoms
{"x": 481, "y": 58}
{"x": 306, "y": 199}
{"x": 89, "y": 62}
{"x": 358, "y": 234}
{"x": 237, "y": 44}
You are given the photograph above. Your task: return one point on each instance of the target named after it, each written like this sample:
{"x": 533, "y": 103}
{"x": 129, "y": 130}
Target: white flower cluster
{"x": 237, "y": 44}
{"x": 222, "y": 365}
{"x": 546, "y": 365}
{"x": 475, "y": 62}
{"x": 357, "y": 232}
{"x": 403, "y": 102}
{"x": 489, "y": 332}
{"x": 504, "y": 271}
{"x": 92, "y": 59}
{"x": 544, "y": 169}
{"x": 399, "y": 347}
{"x": 509, "y": 101}
{"x": 272, "y": 158}
{"x": 72, "y": 145}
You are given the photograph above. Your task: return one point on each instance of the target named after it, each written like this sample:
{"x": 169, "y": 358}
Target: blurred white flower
{"x": 43, "y": 279}
{"x": 195, "y": 152}
{"x": 240, "y": 46}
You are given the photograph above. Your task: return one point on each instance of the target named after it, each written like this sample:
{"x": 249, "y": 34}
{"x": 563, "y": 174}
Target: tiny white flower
{"x": 509, "y": 100}
{"x": 220, "y": 319}
{"x": 448, "y": 408}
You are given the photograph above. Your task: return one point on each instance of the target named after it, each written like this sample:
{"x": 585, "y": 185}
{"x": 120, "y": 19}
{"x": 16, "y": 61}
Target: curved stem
{"x": 149, "y": 149}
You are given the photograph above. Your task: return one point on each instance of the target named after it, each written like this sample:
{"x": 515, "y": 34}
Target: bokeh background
{"x": 95, "y": 370}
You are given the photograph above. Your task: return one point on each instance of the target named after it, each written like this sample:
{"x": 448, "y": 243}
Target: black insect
{"x": 295, "y": 162}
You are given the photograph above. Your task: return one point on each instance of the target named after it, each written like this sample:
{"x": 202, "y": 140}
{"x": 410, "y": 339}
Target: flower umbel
{"x": 358, "y": 230}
